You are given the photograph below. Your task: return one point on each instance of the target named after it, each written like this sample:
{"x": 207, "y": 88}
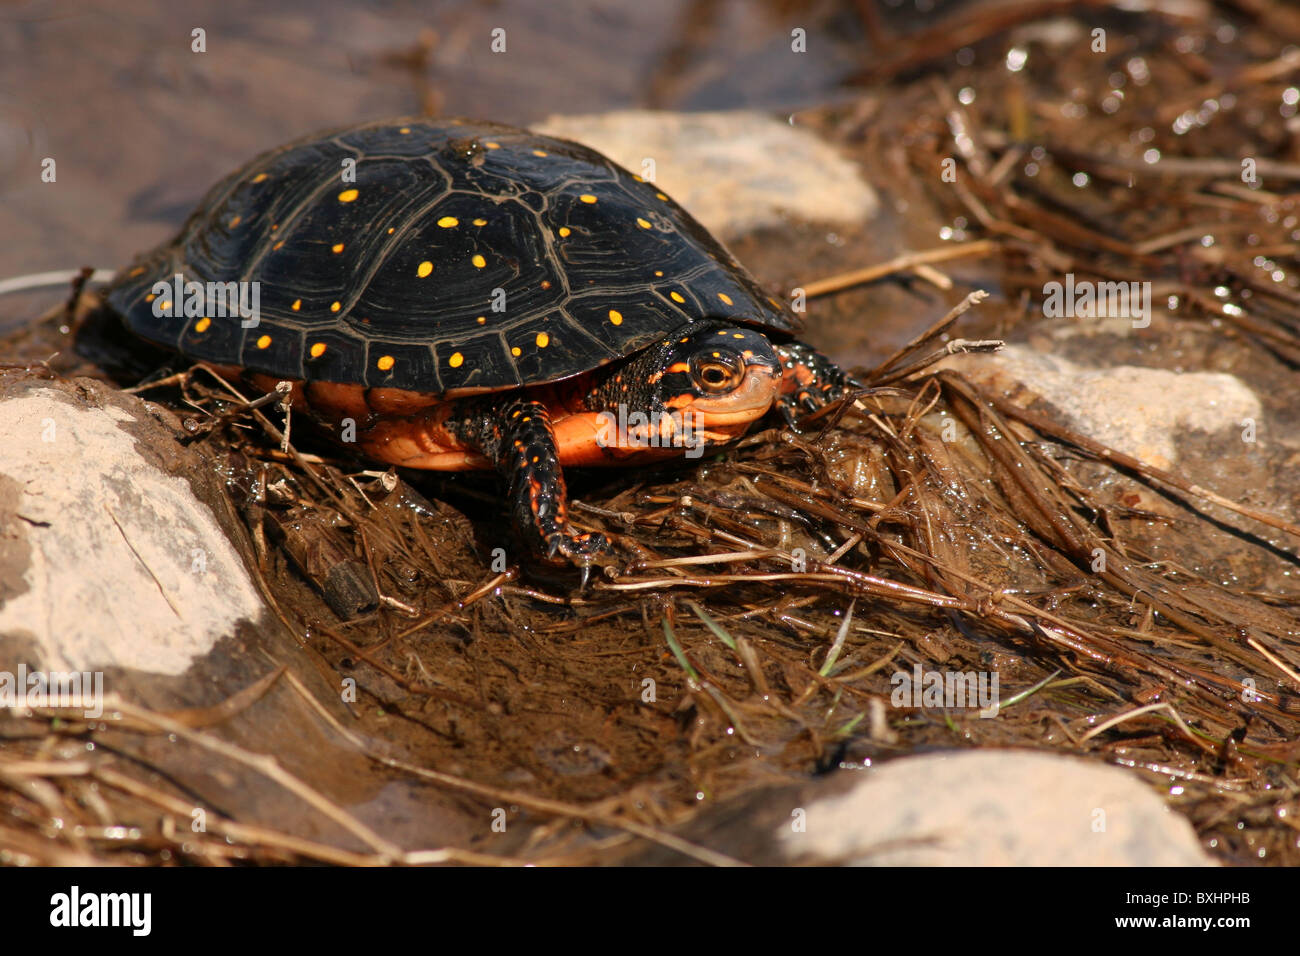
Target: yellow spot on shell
{"x": 540, "y": 152}
{"x": 337, "y": 247}
{"x": 676, "y": 296}
{"x": 543, "y": 340}
{"x": 480, "y": 222}
{"x": 643, "y": 223}
{"x": 492, "y": 145}
{"x": 662, "y": 196}
{"x": 659, "y": 272}
{"x": 725, "y": 298}
{"x": 587, "y": 198}
{"x": 392, "y": 229}
{"x": 404, "y": 130}
{"x": 348, "y": 195}
{"x": 638, "y": 178}
{"x": 616, "y": 317}
{"x": 385, "y": 362}
{"x": 275, "y": 226}
{"x": 424, "y": 268}
{"x": 150, "y": 297}
{"x": 138, "y": 270}
{"x": 448, "y": 222}
{"x": 202, "y": 325}
{"x": 456, "y": 360}
{"x": 564, "y": 232}
{"x": 481, "y": 320}
{"x": 297, "y": 304}
{"x": 478, "y": 261}
{"x": 260, "y": 178}
{"x": 516, "y": 351}
{"x": 318, "y": 350}
{"x": 264, "y": 342}
{"x": 278, "y": 245}
{"x": 236, "y": 221}
{"x": 335, "y": 306}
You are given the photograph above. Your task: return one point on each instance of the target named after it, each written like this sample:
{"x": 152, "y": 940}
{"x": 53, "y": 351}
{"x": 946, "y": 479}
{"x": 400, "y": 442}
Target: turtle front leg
{"x": 809, "y": 380}
{"x": 518, "y": 438}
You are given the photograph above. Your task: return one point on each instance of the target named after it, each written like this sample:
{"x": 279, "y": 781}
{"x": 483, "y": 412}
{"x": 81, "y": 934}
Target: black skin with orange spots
{"x": 678, "y": 374}
{"x": 811, "y": 380}
{"x": 517, "y": 436}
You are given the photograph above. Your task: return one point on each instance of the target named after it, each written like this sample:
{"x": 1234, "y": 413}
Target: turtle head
{"x": 704, "y": 385}
{"x": 720, "y": 378}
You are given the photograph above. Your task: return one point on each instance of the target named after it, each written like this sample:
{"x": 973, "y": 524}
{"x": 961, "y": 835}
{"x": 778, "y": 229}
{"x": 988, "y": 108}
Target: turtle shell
{"x": 435, "y": 257}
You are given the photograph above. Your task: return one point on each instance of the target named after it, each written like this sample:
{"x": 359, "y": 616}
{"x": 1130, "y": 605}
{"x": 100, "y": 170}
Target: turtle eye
{"x": 717, "y": 370}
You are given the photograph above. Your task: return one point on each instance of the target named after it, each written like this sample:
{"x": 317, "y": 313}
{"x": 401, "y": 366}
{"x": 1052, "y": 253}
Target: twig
{"x": 929, "y": 335}
{"x": 904, "y": 263}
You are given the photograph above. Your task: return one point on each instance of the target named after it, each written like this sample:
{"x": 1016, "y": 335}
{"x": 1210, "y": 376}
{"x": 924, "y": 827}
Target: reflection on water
{"x": 143, "y": 105}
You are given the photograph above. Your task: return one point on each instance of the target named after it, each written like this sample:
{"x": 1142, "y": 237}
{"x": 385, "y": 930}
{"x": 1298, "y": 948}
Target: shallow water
{"x": 139, "y": 125}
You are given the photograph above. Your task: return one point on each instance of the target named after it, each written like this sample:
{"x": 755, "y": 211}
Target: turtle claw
{"x": 580, "y": 550}
{"x": 792, "y": 408}
{"x": 582, "y": 553}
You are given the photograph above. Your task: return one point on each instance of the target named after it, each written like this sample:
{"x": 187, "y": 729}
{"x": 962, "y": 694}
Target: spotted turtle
{"x": 458, "y": 295}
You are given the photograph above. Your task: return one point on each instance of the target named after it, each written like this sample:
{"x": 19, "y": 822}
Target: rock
{"x": 995, "y": 808}
{"x": 108, "y": 558}
{"x": 1139, "y": 411}
{"x": 122, "y": 558}
{"x": 960, "y": 808}
{"x": 734, "y": 171}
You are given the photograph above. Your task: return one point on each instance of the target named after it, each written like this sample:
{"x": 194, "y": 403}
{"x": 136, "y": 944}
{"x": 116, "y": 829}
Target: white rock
{"x": 733, "y": 171}
{"x": 1139, "y": 411}
{"x": 995, "y": 808}
{"x": 126, "y": 567}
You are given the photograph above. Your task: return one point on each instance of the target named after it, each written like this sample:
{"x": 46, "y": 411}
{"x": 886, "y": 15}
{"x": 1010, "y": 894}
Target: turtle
{"x": 458, "y": 295}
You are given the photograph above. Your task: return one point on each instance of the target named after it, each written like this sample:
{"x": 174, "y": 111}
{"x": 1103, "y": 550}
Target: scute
{"x": 452, "y": 257}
